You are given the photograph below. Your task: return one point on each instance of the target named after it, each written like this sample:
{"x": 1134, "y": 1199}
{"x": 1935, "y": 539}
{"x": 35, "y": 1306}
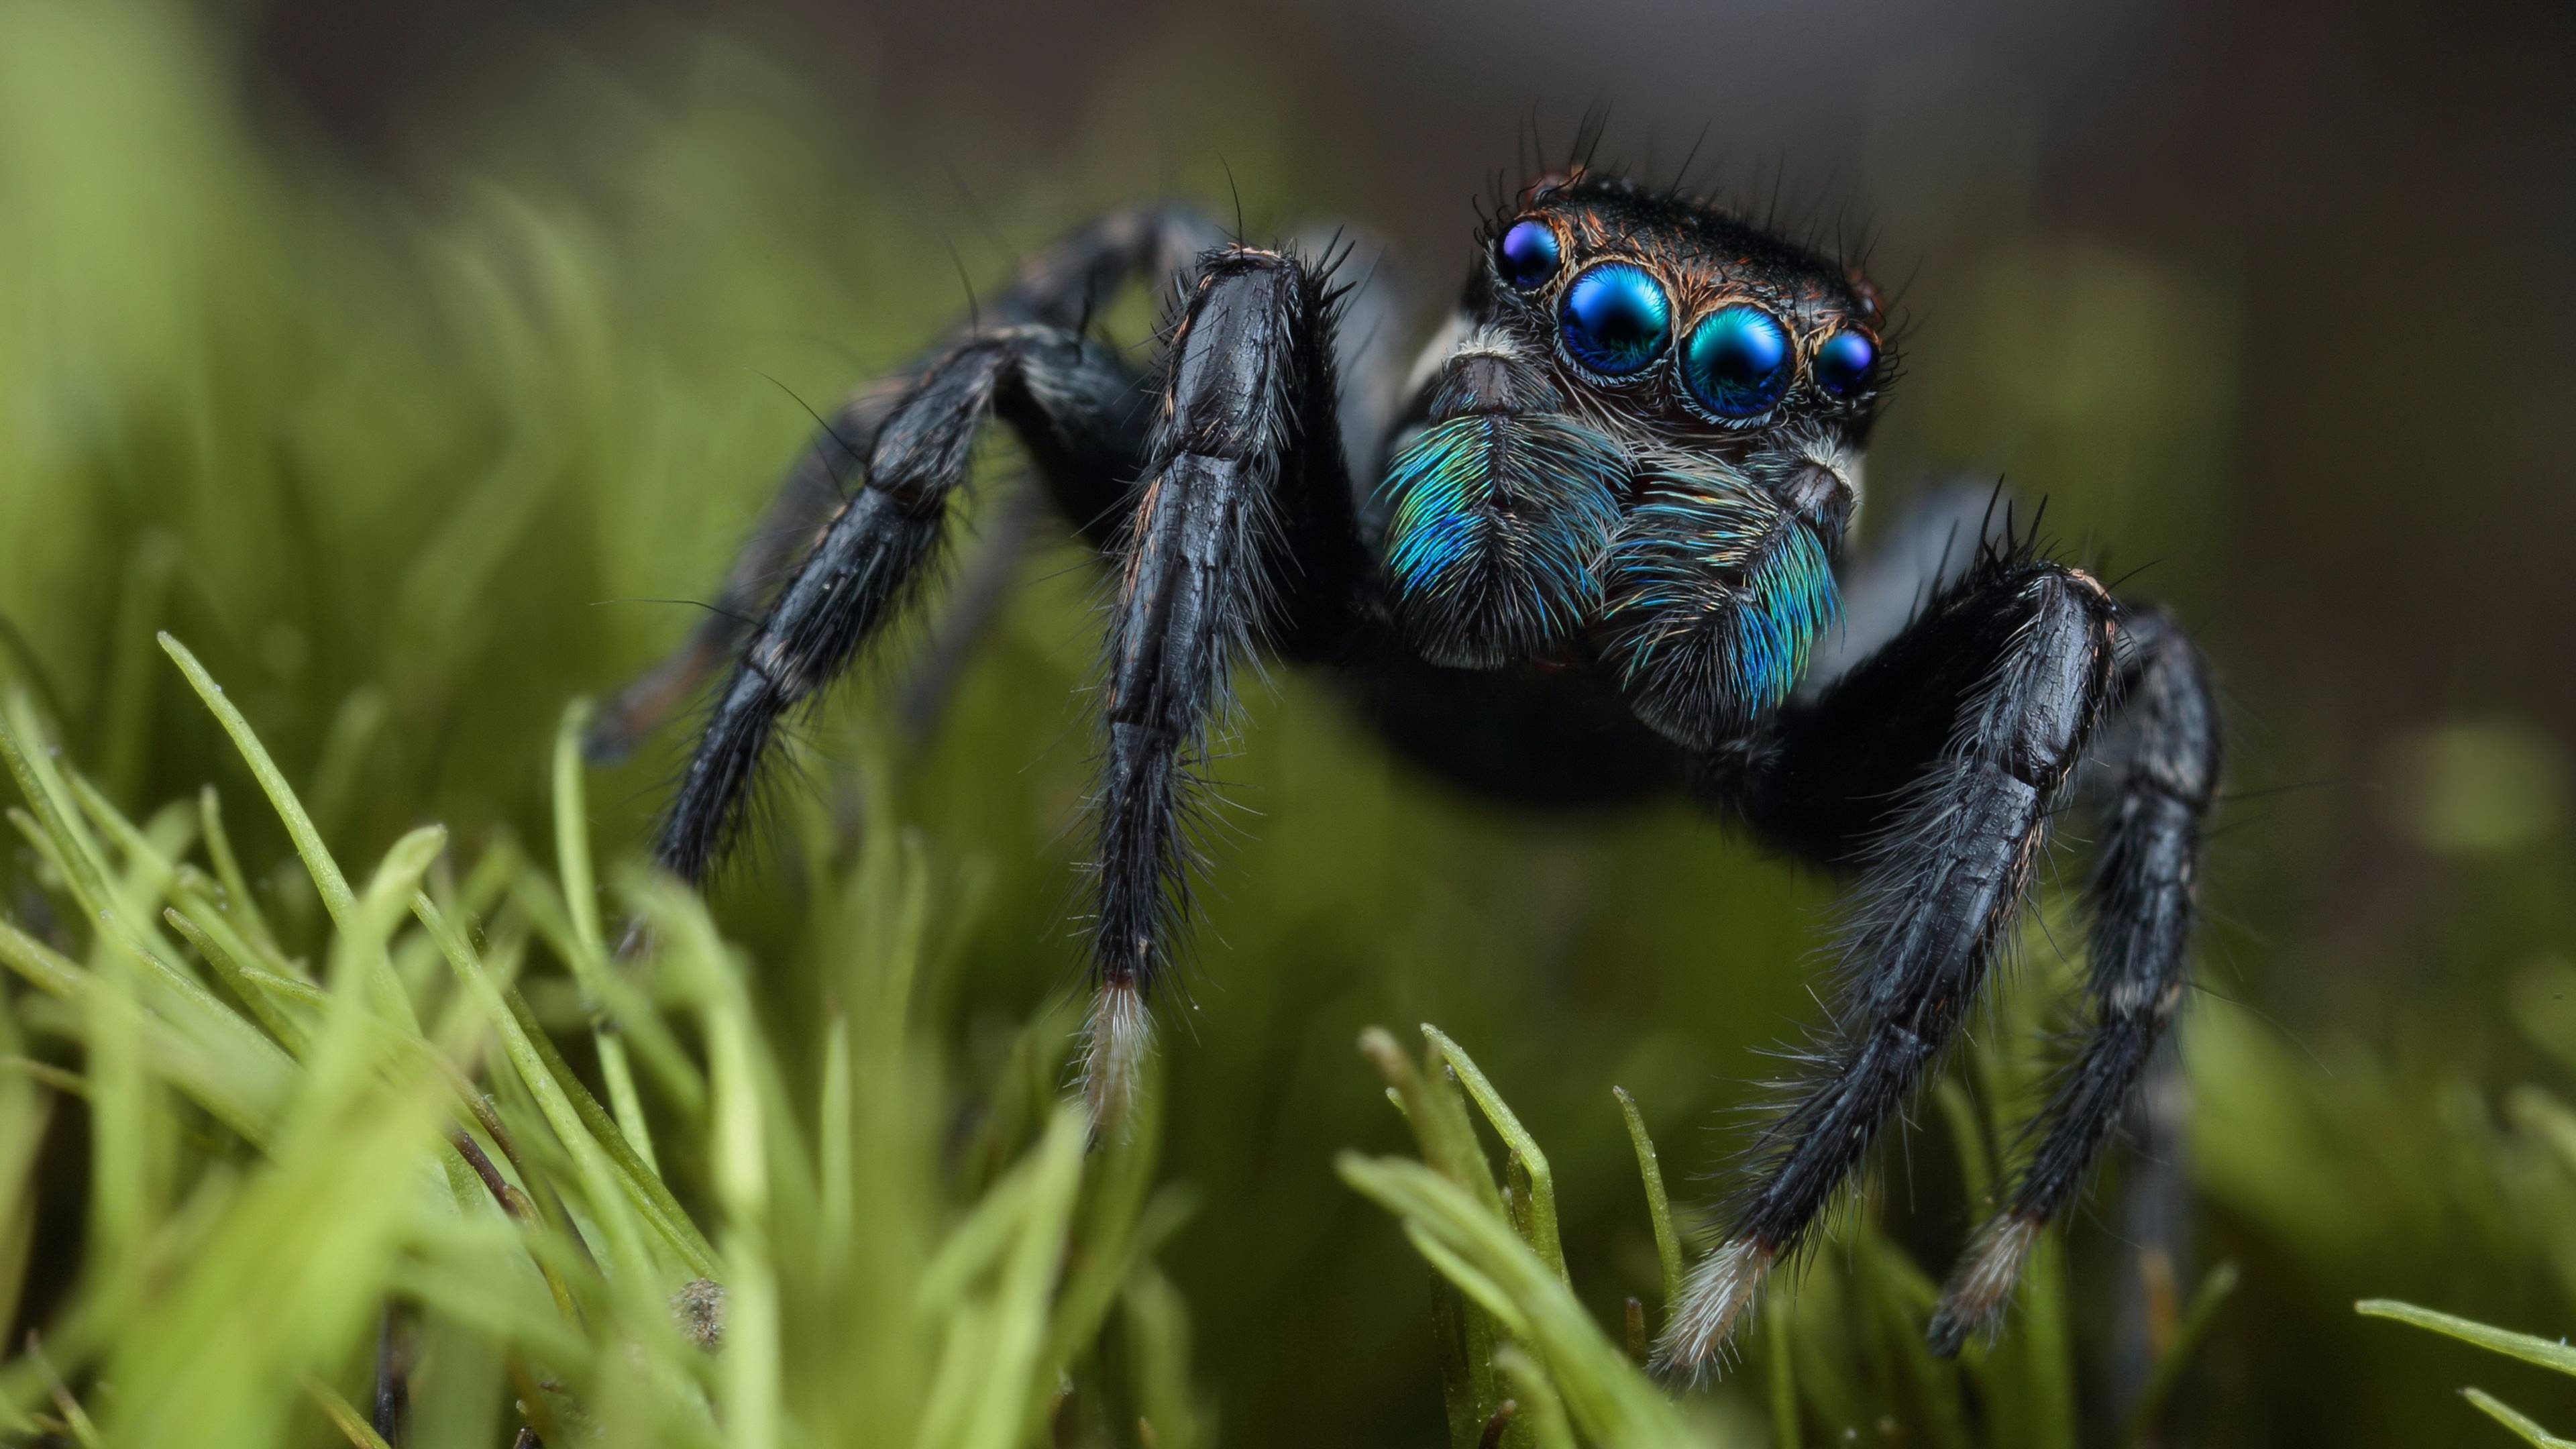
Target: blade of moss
{"x": 557, "y": 1096}
{"x": 2514, "y": 1419}
{"x": 1540, "y": 1407}
{"x": 1782, "y": 1372}
{"x": 327, "y": 879}
{"x": 1609, "y": 1399}
{"x": 2541, "y": 1351}
{"x": 2205, "y": 1302}
{"x": 1537, "y": 1219}
{"x": 343, "y": 1417}
{"x": 1659, "y": 1207}
{"x": 237, "y": 892}
{"x": 581, "y": 899}
{"x": 259, "y": 992}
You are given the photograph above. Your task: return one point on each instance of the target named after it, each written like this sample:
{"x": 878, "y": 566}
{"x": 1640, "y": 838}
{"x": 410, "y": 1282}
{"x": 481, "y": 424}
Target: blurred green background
{"x": 400, "y": 359}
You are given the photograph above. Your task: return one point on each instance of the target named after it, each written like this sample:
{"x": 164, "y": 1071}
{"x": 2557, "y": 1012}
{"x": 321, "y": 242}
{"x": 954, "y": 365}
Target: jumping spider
{"x": 1588, "y": 551}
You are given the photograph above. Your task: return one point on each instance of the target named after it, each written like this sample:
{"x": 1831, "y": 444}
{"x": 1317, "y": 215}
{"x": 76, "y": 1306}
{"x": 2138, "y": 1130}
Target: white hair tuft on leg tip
{"x": 1719, "y": 1292}
{"x": 1115, "y": 1041}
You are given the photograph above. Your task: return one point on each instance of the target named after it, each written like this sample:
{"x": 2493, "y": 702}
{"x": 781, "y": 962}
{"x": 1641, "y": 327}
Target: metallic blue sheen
{"x": 1615, "y": 319}
{"x": 1737, "y": 362}
{"x": 1497, "y": 521}
{"x": 1843, "y": 362}
{"x": 1527, "y": 254}
{"x": 1715, "y": 600}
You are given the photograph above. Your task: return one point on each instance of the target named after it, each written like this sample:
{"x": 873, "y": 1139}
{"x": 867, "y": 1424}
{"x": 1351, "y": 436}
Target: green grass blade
{"x": 238, "y": 901}
{"x": 2517, "y": 1421}
{"x": 521, "y": 1042}
{"x": 1537, "y": 1220}
{"x": 1609, "y": 1399}
{"x": 1659, "y": 1207}
{"x": 581, "y": 901}
{"x": 2541, "y": 1351}
{"x": 334, "y": 886}
{"x": 2196, "y": 1319}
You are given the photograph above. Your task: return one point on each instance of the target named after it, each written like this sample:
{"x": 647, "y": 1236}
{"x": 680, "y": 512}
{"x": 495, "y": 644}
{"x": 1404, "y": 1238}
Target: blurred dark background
{"x": 2345, "y": 228}
{"x": 2273, "y": 303}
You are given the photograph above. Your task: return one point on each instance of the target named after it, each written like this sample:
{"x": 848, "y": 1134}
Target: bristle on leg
{"x": 1720, "y": 1291}
{"x": 1115, "y": 1041}
{"x": 1983, "y": 1281}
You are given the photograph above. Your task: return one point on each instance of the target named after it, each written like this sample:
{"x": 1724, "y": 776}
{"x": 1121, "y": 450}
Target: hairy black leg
{"x": 2159, "y": 770}
{"x": 1059, "y": 287}
{"x": 1071, "y": 400}
{"x": 1991, "y": 693}
{"x": 1246, "y": 473}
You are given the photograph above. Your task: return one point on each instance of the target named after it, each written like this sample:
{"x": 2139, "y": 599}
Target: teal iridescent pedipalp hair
{"x": 1716, "y": 596}
{"x": 1497, "y": 528}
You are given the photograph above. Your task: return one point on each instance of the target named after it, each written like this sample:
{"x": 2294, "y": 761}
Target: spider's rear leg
{"x": 1077, "y": 407}
{"x": 1059, "y": 287}
{"x": 2159, "y": 765}
{"x": 1971, "y": 720}
{"x": 1246, "y": 474}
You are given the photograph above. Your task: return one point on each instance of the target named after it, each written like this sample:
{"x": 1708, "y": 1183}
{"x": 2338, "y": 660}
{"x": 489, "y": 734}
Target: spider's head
{"x": 1631, "y": 372}
{"x": 1671, "y": 323}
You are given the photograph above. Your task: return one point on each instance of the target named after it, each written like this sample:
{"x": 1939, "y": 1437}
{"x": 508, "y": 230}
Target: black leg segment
{"x": 1072, "y": 400}
{"x": 1973, "y": 720}
{"x": 1060, "y": 287}
{"x": 1245, "y": 459}
{"x": 2158, "y": 769}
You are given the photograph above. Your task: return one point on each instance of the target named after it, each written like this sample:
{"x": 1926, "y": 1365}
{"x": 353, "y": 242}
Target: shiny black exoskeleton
{"x": 1589, "y": 548}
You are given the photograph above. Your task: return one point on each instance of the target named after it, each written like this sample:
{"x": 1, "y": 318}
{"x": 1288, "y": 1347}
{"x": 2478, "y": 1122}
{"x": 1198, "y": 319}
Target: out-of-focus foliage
{"x": 406, "y": 470}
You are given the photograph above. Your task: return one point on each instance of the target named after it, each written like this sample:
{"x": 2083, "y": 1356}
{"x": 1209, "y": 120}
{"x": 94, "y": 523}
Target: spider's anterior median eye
{"x": 1737, "y": 362}
{"x": 1527, "y": 254}
{"x": 1615, "y": 319}
{"x": 1843, "y": 362}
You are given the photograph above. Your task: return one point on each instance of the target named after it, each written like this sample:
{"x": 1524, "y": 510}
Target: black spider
{"x": 1588, "y": 551}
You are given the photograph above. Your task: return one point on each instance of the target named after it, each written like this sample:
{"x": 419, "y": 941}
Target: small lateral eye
{"x": 1615, "y": 319}
{"x": 1843, "y": 362}
{"x": 1737, "y": 361}
{"x": 1527, "y": 254}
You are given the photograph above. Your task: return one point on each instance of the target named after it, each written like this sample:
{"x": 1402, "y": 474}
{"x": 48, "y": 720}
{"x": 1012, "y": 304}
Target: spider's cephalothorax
{"x": 1639, "y": 447}
{"x": 1587, "y": 551}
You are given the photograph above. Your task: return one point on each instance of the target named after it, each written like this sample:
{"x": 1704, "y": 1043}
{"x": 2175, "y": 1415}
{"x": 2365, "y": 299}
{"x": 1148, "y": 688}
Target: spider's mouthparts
{"x": 1499, "y": 520}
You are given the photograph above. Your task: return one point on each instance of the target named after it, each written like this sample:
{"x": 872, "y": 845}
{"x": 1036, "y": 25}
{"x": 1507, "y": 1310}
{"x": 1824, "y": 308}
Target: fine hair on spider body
{"x": 1589, "y": 548}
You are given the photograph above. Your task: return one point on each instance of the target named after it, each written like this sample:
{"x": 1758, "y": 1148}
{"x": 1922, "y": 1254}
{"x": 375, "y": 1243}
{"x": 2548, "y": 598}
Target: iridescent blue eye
{"x": 1737, "y": 362}
{"x": 1527, "y": 255}
{"x": 1615, "y": 319}
{"x": 1843, "y": 363}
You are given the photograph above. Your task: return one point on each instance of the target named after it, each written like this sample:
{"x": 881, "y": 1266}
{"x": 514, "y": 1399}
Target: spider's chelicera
{"x": 1588, "y": 550}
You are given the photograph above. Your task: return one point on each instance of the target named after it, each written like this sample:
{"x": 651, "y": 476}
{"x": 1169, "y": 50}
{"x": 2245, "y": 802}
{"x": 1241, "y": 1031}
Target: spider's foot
{"x": 1715, "y": 1299}
{"x": 1115, "y": 1041}
{"x": 1983, "y": 1280}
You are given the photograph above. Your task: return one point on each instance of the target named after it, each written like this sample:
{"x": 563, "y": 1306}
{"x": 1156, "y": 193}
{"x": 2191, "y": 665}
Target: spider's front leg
{"x": 1059, "y": 289}
{"x": 1971, "y": 720}
{"x": 1246, "y": 474}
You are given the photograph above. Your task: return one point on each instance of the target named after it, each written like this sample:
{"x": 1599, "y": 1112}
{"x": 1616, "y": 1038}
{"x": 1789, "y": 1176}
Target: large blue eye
{"x": 1527, "y": 255}
{"x": 1615, "y": 319}
{"x": 1737, "y": 362}
{"x": 1843, "y": 362}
